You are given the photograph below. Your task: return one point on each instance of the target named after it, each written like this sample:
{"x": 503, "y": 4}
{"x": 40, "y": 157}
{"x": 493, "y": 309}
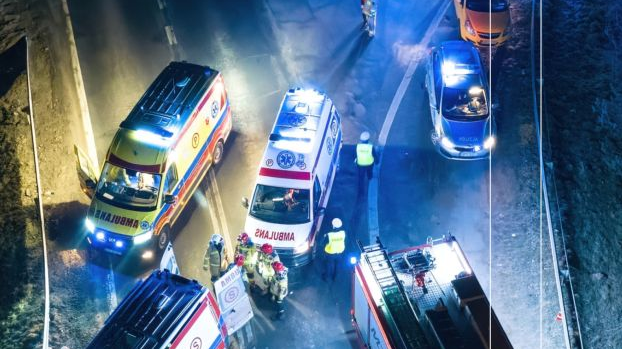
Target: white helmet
{"x": 364, "y": 136}
{"x": 337, "y": 223}
{"x": 217, "y": 239}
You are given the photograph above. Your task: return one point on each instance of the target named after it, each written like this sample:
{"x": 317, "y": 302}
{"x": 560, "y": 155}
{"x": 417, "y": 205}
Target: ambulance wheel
{"x": 219, "y": 149}
{"x": 164, "y": 238}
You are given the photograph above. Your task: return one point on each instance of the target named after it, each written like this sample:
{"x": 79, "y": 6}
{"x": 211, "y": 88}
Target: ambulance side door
{"x": 86, "y": 172}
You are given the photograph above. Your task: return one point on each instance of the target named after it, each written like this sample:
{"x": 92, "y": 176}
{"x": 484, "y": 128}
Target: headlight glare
{"x": 489, "y": 143}
{"x": 142, "y": 238}
{"x": 90, "y": 226}
{"x": 100, "y": 236}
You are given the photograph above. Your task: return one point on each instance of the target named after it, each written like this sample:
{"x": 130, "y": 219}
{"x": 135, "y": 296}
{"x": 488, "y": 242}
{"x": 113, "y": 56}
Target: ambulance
{"x": 164, "y": 311}
{"x": 157, "y": 159}
{"x": 295, "y": 176}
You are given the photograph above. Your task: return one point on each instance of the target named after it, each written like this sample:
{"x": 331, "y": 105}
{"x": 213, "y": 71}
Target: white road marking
{"x": 372, "y": 197}
{"x": 87, "y": 127}
{"x": 110, "y": 287}
{"x": 213, "y": 185}
{"x": 170, "y": 35}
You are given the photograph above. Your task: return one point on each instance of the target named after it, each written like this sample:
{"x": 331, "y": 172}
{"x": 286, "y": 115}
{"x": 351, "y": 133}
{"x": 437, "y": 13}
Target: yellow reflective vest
{"x": 336, "y": 242}
{"x": 364, "y": 154}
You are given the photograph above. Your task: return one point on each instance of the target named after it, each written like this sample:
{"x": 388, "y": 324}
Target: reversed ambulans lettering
{"x": 295, "y": 175}
{"x": 157, "y": 159}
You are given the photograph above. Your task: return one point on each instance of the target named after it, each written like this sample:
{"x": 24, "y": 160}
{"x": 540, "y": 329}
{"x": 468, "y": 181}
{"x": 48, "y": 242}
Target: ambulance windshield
{"x": 128, "y": 189}
{"x": 280, "y": 205}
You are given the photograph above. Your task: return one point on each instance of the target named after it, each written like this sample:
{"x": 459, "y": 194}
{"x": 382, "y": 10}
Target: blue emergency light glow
{"x": 353, "y": 260}
{"x": 100, "y": 236}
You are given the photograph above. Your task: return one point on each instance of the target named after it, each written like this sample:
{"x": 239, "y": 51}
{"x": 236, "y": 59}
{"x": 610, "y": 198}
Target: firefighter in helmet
{"x": 248, "y": 250}
{"x": 278, "y": 289}
{"x": 265, "y": 257}
{"x": 215, "y": 259}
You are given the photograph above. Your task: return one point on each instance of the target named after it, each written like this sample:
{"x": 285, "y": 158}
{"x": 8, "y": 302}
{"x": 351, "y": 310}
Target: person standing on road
{"x": 366, "y": 7}
{"x": 264, "y": 270}
{"x": 215, "y": 259}
{"x": 365, "y": 157}
{"x": 334, "y": 245}
{"x": 248, "y": 250}
{"x": 278, "y": 289}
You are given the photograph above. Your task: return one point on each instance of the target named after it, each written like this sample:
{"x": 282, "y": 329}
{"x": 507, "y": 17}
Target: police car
{"x": 295, "y": 176}
{"x": 459, "y": 102}
{"x": 156, "y": 160}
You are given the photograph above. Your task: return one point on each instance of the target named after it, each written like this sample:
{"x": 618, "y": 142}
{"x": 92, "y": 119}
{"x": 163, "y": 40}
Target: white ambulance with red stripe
{"x": 295, "y": 176}
{"x": 156, "y": 160}
{"x": 165, "y": 311}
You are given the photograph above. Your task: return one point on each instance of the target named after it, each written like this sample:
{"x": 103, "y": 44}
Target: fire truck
{"x": 164, "y": 311}
{"x": 422, "y": 297}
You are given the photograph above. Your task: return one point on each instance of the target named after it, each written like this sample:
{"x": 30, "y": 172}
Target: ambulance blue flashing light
{"x": 152, "y": 138}
{"x": 353, "y": 260}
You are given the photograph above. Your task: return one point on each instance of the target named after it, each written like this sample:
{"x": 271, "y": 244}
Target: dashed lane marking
{"x": 372, "y": 197}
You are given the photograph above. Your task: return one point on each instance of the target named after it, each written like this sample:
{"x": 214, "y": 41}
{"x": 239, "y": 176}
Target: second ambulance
{"x": 157, "y": 159}
{"x": 295, "y": 176}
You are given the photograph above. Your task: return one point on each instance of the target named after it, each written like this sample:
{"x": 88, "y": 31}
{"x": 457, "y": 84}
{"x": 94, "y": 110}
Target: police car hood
{"x": 118, "y": 220}
{"x": 278, "y": 235}
{"x": 466, "y": 133}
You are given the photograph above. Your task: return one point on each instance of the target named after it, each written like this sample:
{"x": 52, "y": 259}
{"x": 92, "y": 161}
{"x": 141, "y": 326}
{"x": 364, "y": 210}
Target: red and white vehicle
{"x": 422, "y": 297}
{"x": 295, "y": 176}
{"x": 165, "y": 311}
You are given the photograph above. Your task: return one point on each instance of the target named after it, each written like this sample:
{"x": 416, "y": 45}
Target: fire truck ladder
{"x": 400, "y": 313}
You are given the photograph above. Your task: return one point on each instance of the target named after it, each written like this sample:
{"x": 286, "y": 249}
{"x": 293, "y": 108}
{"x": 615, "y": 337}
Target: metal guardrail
{"x": 31, "y": 114}
{"x": 563, "y": 281}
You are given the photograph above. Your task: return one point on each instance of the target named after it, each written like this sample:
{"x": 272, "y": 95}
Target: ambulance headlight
{"x": 142, "y": 238}
{"x": 100, "y": 236}
{"x": 90, "y": 226}
{"x": 353, "y": 260}
{"x": 118, "y": 243}
{"x": 302, "y": 248}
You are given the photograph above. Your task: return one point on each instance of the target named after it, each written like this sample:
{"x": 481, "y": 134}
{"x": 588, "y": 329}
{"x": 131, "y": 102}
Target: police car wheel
{"x": 163, "y": 239}
{"x": 218, "y": 151}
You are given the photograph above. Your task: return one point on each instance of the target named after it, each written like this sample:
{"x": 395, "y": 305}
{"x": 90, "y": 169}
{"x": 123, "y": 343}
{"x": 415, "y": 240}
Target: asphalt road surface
{"x": 263, "y": 48}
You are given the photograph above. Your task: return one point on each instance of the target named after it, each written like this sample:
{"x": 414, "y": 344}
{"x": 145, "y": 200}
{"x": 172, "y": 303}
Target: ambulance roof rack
{"x": 299, "y": 117}
{"x": 400, "y": 313}
{"x": 171, "y": 99}
{"x": 150, "y": 313}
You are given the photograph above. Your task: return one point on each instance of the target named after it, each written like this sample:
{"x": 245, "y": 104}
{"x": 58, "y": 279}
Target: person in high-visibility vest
{"x": 365, "y": 156}
{"x": 278, "y": 289}
{"x": 335, "y": 244}
{"x": 215, "y": 259}
{"x": 248, "y": 249}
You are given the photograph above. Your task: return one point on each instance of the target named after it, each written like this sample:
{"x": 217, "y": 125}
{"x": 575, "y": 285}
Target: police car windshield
{"x": 128, "y": 189}
{"x": 280, "y": 205}
{"x": 464, "y": 104}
